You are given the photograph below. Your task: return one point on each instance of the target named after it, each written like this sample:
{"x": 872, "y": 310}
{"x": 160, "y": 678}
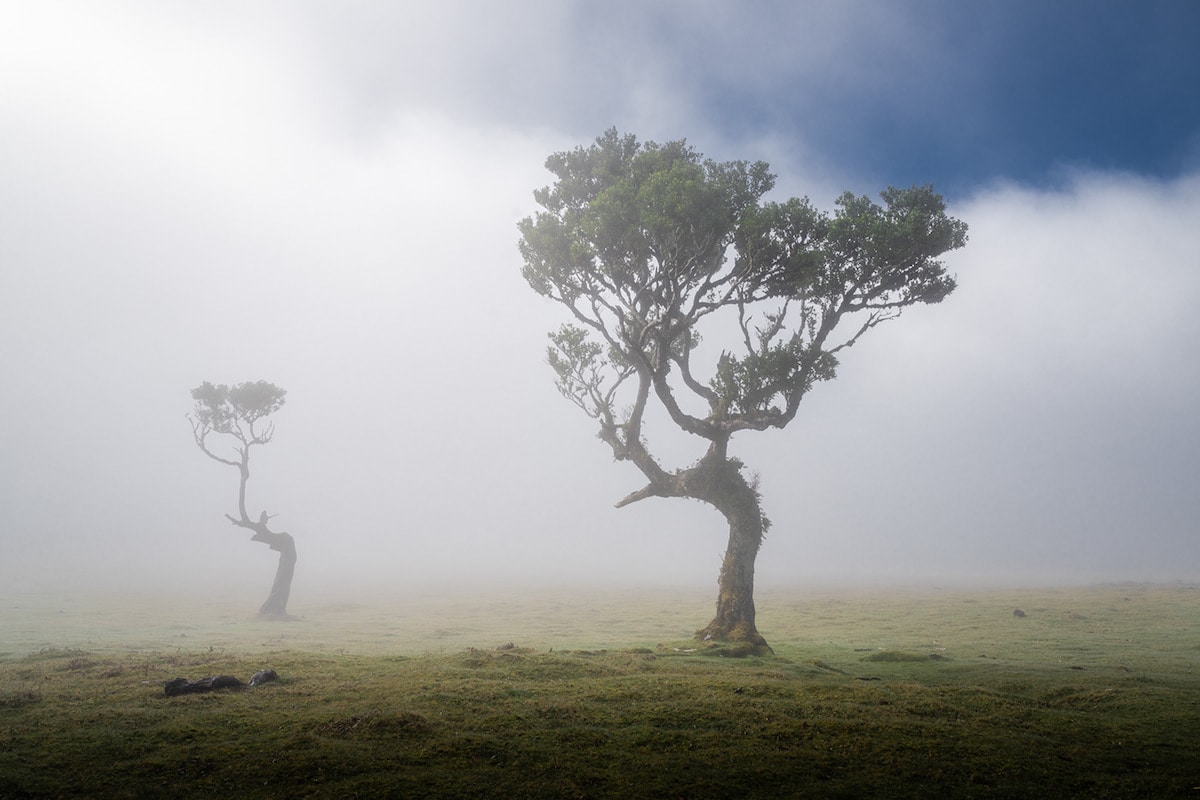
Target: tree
{"x": 240, "y": 412}
{"x": 642, "y": 243}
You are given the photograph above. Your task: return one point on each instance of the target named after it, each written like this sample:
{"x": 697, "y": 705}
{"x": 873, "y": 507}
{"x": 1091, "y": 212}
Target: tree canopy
{"x": 635, "y": 241}
{"x": 237, "y": 411}
{"x": 644, "y": 244}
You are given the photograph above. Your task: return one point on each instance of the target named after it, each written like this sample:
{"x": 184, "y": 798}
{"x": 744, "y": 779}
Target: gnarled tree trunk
{"x": 718, "y": 481}
{"x": 275, "y": 606}
{"x": 276, "y": 603}
{"x": 734, "y": 620}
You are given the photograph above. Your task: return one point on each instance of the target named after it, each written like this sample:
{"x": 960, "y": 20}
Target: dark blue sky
{"x": 972, "y": 93}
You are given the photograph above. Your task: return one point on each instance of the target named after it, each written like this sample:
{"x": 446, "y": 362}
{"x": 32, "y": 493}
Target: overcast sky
{"x": 325, "y": 195}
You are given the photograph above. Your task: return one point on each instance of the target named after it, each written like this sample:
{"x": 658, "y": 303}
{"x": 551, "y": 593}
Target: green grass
{"x": 1095, "y": 693}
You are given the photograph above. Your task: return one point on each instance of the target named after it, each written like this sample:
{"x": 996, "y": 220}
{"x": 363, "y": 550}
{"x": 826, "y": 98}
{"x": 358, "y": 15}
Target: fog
{"x": 326, "y": 197}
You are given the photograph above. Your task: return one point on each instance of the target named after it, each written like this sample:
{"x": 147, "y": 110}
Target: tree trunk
{"x": 276, "y": 603}
{"x": 735, "y": 620}
{"x": 718, "y": 481}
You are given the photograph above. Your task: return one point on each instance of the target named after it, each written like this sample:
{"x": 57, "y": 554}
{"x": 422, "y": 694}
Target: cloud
{"x": 326, "y": 198}
{"x": 1036, "y": 423}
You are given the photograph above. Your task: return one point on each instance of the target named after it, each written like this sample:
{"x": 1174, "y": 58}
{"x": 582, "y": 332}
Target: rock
{"x": 178, "y": 686}
{"x": 263, "y": 676}
{"x": 1018, "y": 613}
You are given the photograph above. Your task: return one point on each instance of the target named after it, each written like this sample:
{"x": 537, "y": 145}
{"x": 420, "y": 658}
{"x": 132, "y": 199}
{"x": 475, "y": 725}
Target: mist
{"x": 329, "y": 202}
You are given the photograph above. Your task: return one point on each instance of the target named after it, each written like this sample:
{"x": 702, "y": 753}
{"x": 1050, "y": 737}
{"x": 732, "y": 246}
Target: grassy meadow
{"x": 1095, "y": 692}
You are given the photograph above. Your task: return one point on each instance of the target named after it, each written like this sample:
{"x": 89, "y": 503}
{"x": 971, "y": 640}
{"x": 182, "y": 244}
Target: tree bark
{"x": 735, "y": 620}
{"x": 718, "y": 481}
{"x": 738, "y": 501}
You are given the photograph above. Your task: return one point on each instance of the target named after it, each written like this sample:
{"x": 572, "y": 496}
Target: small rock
{"x": 1018, "y": 613}
{"x": 263, "y": 676}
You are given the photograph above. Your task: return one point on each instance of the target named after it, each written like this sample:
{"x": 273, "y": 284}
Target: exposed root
{"x": 739, "y": 642}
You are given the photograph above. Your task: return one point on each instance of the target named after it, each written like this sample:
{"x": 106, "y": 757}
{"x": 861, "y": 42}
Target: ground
{"x": 569, "y": 693}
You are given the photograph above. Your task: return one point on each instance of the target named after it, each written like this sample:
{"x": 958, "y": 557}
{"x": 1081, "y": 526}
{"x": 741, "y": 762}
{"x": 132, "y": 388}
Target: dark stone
{"x": 1018, "y": 613}
{"x": 178, "y": 686}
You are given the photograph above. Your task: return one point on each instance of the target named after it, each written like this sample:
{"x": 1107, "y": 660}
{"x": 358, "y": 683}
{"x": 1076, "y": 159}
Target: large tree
{"x": 240, "y": 413}
{"x": 644, "y": 242}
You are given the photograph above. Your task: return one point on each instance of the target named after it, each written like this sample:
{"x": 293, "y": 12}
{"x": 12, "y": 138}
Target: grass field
{"x": 1095, "y": 692}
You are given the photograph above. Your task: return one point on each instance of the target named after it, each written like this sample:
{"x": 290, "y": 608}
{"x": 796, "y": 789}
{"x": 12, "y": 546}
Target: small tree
{"x": 642, "y": 243}
{"x": 240, "y": 412}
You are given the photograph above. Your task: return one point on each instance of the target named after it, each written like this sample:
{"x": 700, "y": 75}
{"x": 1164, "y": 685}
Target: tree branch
{"x": 274, "y": 540}
{"x": 200, "y": 431}
{"x": 650, "y": 490}
{"x": 683, "y": 360}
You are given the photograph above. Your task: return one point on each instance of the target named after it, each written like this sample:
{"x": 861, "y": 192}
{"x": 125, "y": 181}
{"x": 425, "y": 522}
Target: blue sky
{"x": 325, "y": 195}
{"x": 1014, "y": 91}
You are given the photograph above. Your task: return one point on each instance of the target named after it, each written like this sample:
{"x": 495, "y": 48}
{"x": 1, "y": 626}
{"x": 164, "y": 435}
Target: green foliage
{"x": 579, "y": 366}
{"x": 755, "y": 381}
{"x": 643, "y": 241}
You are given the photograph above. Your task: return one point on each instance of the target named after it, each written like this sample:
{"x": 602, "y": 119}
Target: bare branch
{"x": 200, "y": 431}
{"x": 650, "y": 490}
{"x": 872, "y": 320}
{"x": 683, "y": 360}
{"x": 744, "y": 324}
